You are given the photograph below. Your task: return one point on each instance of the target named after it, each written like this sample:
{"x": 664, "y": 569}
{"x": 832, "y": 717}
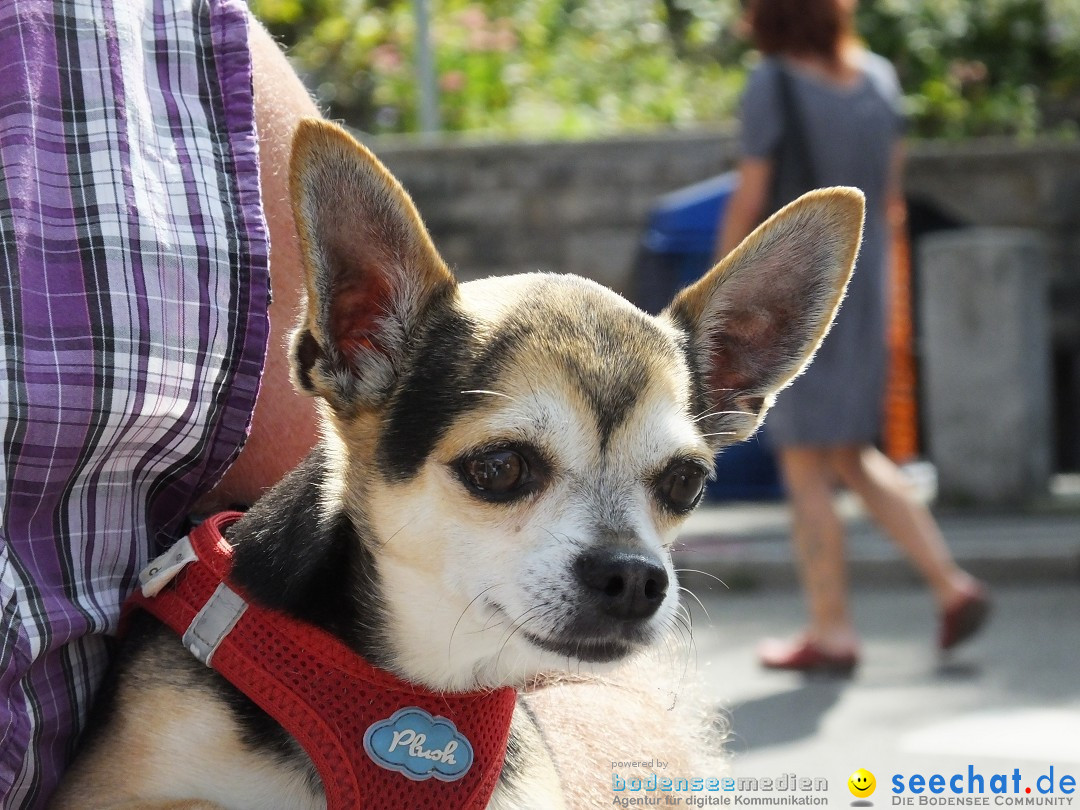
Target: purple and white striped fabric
{"x": 133, "y": 304}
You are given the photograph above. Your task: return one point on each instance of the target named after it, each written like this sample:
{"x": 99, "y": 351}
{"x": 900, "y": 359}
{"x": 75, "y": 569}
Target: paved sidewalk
{"x": 748, "y": 544}
{"x": 1008, "y": 699}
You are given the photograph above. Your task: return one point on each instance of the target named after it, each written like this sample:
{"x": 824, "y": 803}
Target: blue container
{"x": 677, "y": 249}
{"x": 746, "y": 472}
{"x": 682, "y": 219}
{"x": 680, "y": 240}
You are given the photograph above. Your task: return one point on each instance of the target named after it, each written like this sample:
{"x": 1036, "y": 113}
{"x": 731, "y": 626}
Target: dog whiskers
{"x": 493, "y": 620}
{"x": 690, "y": 593}
{"x": 685, "y": 622}
{"x": 490, "y": 393}
{"x": 682, "y": 623}
{"x": 714, "y": 395}
{"x": 709, "y": 414}
{"x": 683, "y": 618}
{"x": 561, "y": 536}
{"x": 450, "y": 643}
{"x": 703, "y": 573}
{"x": 679, "y": 644}
{"x": 516, "y": 625}
{"x": 403, "y": 527}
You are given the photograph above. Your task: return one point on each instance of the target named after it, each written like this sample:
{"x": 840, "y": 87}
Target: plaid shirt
{"x": 133, "y": 305}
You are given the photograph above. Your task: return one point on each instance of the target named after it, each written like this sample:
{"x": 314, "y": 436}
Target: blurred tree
{"x": 973, "y": 67}
{"x": 584, "y": 67}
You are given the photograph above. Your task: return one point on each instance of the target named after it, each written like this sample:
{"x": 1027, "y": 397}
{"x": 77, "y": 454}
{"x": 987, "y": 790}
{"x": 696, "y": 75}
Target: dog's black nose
{"x": 626, "y": 585}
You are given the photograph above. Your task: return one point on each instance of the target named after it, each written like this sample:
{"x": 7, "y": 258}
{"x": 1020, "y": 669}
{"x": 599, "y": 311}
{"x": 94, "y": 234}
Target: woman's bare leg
{"x": 889, "y": 499}
{"x": 819, "y": 541}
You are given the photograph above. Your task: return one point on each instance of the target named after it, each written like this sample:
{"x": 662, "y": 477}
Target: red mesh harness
{"x": 376, "y": 741}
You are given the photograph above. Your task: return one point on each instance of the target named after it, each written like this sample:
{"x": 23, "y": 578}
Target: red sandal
{"x": 965, "y": 618}
{"x": 803, "y": 655}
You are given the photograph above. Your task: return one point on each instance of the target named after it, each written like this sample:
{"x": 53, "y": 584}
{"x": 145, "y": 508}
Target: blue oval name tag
{"x": 419, "y": 746}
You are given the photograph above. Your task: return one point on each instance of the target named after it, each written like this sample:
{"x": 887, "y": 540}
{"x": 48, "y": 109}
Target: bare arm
{"x": 284, "y": 425}
{"x": 747, "y": 206}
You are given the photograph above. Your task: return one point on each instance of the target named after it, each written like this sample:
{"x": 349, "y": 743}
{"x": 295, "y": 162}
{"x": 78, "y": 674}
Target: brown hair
{"x": 800, "y": 27}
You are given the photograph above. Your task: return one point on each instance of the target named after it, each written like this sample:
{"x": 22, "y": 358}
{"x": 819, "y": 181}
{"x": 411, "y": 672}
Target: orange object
{"x": 901, "y": 433}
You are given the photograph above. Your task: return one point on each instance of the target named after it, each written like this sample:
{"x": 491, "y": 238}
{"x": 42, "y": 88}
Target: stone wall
{"x": 568, "y": 207}
{"x": 581, "y": 207}
{"x": 1002, "y": 184}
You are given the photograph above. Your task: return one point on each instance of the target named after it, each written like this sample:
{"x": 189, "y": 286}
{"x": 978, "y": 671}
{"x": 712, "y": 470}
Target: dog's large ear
{"x": 371, "y": 269}
{"x": 754, "y": 321}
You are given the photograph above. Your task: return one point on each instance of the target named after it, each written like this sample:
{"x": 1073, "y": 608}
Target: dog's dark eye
{"x": 496, "y": 474}
{"x": 681, "y": 484}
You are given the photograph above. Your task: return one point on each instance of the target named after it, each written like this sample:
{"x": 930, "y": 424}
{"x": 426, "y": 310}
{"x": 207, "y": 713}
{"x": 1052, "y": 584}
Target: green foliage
{"x": 585, "y": 67}
{"x": 1007, "y": 67}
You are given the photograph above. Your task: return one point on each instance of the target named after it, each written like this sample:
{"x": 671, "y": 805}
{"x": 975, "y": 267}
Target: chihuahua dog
{"x": 503, "y": 469}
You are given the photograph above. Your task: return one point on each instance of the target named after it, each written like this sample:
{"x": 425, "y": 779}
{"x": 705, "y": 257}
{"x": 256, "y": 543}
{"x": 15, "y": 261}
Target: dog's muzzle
{"x": 621, "y": 584}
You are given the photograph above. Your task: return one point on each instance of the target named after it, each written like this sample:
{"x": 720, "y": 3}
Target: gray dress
{"x": 850, "y": 133}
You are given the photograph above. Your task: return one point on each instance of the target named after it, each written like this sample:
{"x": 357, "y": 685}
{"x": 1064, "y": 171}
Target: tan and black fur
{"x": 398, "y": 535}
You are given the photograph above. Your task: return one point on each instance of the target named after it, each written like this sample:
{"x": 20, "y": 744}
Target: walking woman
{"x": 820, "y": 110}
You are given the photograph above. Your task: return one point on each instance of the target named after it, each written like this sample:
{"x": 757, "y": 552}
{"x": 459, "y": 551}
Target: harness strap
{"x": 377, "y": 742}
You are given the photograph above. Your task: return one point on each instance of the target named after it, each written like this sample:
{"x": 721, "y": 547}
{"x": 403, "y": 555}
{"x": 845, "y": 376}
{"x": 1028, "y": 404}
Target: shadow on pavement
{"x": 958, "y": 670}
{"x": 782, "y": 717}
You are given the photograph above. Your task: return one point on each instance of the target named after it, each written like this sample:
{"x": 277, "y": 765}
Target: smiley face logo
{"x": 861, "y": 783}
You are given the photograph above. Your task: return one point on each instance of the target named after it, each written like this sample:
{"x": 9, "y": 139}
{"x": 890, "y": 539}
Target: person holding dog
{"x": 139, "y": 236}
{"x": 820, "y": 110}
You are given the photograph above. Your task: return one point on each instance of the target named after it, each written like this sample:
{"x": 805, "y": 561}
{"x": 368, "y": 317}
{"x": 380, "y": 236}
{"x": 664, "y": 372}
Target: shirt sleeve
{"x": 761, "y": 118}
{"x": 883, "y": 75}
